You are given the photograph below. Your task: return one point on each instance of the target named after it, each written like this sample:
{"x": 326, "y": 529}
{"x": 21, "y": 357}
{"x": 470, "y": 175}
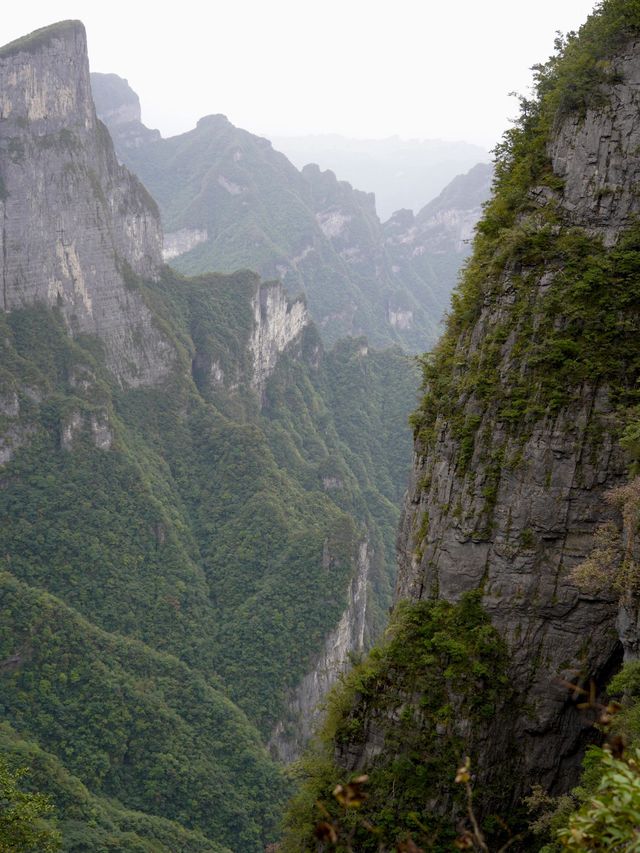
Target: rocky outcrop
{"x": 278, "y": 321}
{"x": 512, "y": 510}
{"x": 76, "y": 227}
{"x": 431, "y": 246}
{"x": 178, "y": 242}
{"x": 304, "y": 709}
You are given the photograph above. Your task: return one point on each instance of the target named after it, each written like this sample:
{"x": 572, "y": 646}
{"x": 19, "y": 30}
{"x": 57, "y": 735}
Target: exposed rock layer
{"x": 75, "y": 224}
{"x": 517, "y": 526}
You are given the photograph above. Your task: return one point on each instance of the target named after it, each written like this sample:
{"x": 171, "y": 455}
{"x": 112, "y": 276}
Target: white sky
{"x": 363, "y": 68}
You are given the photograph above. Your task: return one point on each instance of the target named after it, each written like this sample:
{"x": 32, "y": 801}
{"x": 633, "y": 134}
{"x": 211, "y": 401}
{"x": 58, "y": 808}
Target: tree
{"x": 22, "y": 825}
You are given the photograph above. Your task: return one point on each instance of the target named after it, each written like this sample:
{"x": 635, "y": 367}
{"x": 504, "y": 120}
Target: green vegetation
{"x": 133, "y": 724}
{"x": 580, "y": 330}
{"x": 603, "y": 812}
{"x": 91, "y": 823}
{"x": 36, "y": 40}
{"x": 259, "y": 212}
{"x": 22, "y": 813}
{"x": 173, "y": 554}
{"x": 440, "y": 671}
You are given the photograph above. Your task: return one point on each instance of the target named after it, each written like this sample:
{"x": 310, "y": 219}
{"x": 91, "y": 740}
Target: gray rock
{"x": 549, "y": 495}
{"x": 75, "y": 227}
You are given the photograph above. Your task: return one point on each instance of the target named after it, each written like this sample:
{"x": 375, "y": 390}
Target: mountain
{"x": 434, "y": 244}
{"x": 402, "y": 173}
{"x": 230, "y": 201}
{"x": 528, "y": 421}
{"x": 196, "y": 495}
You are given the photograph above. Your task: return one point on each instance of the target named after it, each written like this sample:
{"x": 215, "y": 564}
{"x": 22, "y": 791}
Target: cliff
{"x": 77, "y": 228}
{"x": 432, "y": 245}
{"x": 521, "y": 431}
{"x": 185, "y": 491}
{"x": 518, "y": 436}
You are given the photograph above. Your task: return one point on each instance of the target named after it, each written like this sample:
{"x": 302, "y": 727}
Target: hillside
{"x": 402, "y": 173}
{"x": 190, "y": 500}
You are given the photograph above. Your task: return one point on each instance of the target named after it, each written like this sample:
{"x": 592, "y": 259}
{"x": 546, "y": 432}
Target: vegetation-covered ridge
{"x": 171, "y": 551}
{"x": 230, "y": 201}
{"x": 580, "y": 327}
{"x": 440, "y": 671}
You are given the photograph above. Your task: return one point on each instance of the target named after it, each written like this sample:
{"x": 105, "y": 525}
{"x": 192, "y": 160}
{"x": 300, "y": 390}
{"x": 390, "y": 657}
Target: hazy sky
{"x": 364, "y": 68}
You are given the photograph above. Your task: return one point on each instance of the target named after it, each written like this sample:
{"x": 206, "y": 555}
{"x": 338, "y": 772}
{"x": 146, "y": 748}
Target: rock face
{"x": 178, "y": 242}
{"x": 517, "y": 513}
{"x": 77, "y": 228}
{"x": 278, "y": 322}
{"x": 348, "y": 637}
{"x": 433, "y": 244}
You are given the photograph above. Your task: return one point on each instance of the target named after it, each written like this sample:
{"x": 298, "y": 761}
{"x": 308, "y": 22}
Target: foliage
{"x": 440, "y": 670}
{"x": 587, "y": 316}
{"x": 610, "y": 819}
{"x": 205, "y": 532}
{"x": 132, "y": 723}
{"x": 613, "y": 562}
{"x": 602, "y": 813}
{"x": 259, "y": 212}
{"x": 22, "y": 828}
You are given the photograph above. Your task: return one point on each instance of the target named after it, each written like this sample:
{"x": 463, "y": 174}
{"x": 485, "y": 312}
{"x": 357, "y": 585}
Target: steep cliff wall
{"x": 277, "y": 322}
{"x": 76, "y": 227}
{"x": 119, "y": 107}
{"x": 526, "y": 398}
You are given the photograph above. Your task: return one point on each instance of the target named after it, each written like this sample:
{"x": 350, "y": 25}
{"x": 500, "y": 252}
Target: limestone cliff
{"x": 516, "y": 448}
{"x": 278, "y": 321}
{"x": 119, "y": 107}
{"x": 433, "y": 244}
{"x": 77, "y": 228}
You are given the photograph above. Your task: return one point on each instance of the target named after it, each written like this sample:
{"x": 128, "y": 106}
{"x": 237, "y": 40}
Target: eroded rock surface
{"x": 520, "y": 513}
{"x": 348, "y": 638}
{"x": 76, "y": 228}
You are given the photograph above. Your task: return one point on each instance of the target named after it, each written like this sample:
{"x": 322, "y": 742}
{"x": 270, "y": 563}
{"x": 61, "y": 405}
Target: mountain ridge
{"x": 230, "y": 200}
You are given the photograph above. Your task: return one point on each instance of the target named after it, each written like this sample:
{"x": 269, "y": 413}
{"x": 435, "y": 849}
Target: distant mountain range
{"x": 229, "y": 200}
{"x": 402, "y": 173}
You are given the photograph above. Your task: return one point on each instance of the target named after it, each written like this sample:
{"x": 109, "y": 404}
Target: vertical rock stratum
{"x": 76, "y": 227}
{"x": 518, "y": 444}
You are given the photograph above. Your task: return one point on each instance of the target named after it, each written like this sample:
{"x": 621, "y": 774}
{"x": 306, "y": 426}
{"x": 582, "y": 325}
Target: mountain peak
{"x": 118, "y": 106}
{"x": 54, "y": 60}
{"x": 69, "y": 31}
{"x": 75, "y": 222}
